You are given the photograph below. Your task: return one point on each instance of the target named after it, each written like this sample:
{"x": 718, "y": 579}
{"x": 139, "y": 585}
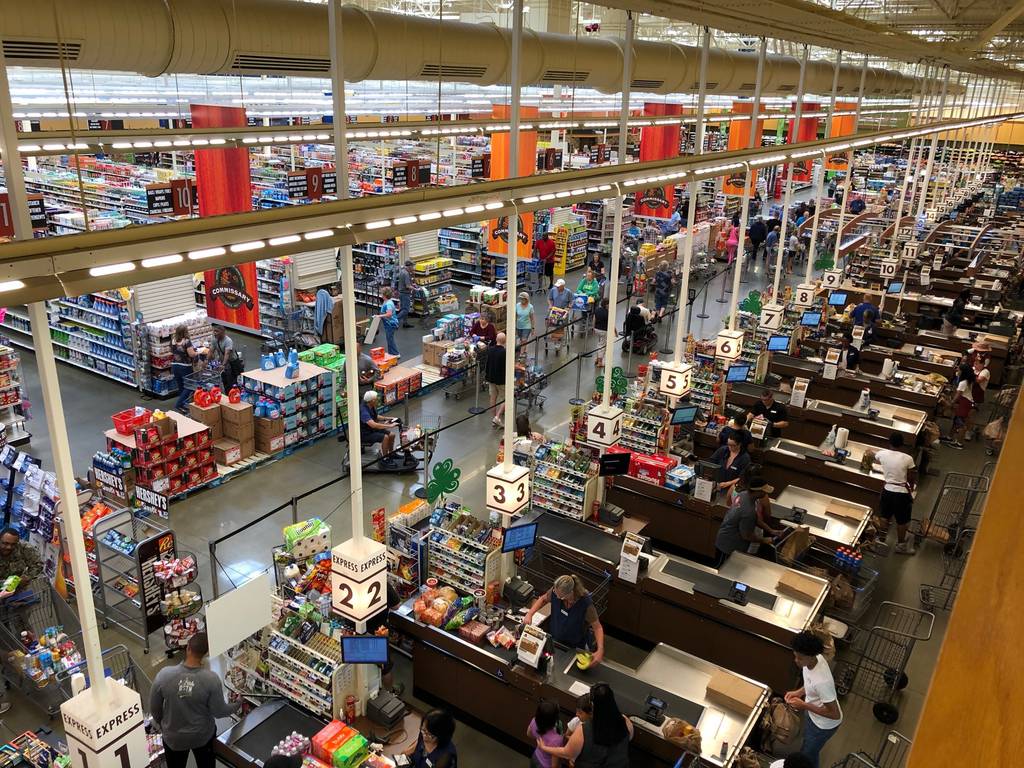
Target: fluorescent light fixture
{"x": 180, "y": 143}
{"x": 162, "y": 261}
{"x": 474, "y": 208}
{"x": 404, "y": 220}
{"x": 162, "y": 143}
{"x": 805, "y": 153}
{"x": 561, "y": 194}
{"x": 285, "y": 240}
{"x": 11, "y": 285}
{"x": 529, "y": 200}
{"x": 452, "y": 212}
{"x": 588, "y": 190}
{"x": 218, "y": 141}
{"x": 199, "y": 142}
{"x": 547, "y": 196}
{"x": 379, "y": 224}
{"x": 142, "y": 144}
{"x": 318, "y": 234}
{"x": 112, "y": 269}
{"x": 122, "y": 145}
{"x": 605, "y": 187}
{"x": 839, "y": 148}
{"x": 252, "y": 245}
{"x": 430, "y": 216}
{"x": 53, "y": 147}
{"x": 494, "y": 206}
{"x": 205, "y": 253}
{"x": 28, "y": 148}
{"x": 770, "y": 160}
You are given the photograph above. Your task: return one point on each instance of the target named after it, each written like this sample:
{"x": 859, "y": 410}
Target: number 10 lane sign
{"x": 359, "y": 579}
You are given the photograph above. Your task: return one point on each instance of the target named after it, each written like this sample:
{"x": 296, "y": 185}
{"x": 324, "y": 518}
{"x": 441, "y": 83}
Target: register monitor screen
{"x": 364, "y": 649}
{"x": 614, "y": 464}
{"x": 837, "y": 299}
{"x": 811, "y": 319}
{"x": 520, "y": 536}
{"x": 737, "y": 373}
{"x": 778, "y": 343}
{"x": 684, "y": 414}
{"x": 895, "y": 286}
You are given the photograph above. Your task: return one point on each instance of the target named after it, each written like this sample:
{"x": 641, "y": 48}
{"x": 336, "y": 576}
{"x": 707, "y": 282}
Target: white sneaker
{"x": 905, "y": 548}
{"x": 5, "y": 707}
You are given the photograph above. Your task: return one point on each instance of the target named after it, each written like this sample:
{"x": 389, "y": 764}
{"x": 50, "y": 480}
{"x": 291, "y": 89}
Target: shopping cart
{"x": 558, "y": 330}
{"x": 530, "y": 381}
{"x": 544, "y": 563}
{"x": 874, "y": 667}
{"x": 957, "y": 506}
{"x": 820, "y": 561}
{"x": 954, "y": 560}
{"x": 119, "y": 665}
{"x": 892, "y": 753}
{"x": 206, "y": 377}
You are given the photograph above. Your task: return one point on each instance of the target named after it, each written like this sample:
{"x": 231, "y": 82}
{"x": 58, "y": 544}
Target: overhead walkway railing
{"x": 77, "y": 264}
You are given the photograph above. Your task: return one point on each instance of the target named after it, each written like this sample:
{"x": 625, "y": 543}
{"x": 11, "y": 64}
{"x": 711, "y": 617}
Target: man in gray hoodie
{"x": 185, "y": 702}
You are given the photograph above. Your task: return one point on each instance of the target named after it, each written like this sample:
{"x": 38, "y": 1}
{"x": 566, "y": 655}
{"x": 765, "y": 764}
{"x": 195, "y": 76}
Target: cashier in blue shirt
{"x": 574, "y": 622}
{"x": 865, "y": 305}
{"x": 732, "y": 460}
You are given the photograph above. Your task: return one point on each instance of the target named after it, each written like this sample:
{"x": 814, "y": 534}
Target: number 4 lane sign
{"x": 604, "y": 426}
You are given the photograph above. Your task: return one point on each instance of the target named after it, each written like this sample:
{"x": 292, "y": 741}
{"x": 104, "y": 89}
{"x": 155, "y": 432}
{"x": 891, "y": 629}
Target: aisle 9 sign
{"x": 508, "y": 491}
{"x": 832, "y": 278}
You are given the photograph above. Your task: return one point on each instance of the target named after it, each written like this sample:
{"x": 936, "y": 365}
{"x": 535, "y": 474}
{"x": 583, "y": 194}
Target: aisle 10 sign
{"x": 359, "y": 579}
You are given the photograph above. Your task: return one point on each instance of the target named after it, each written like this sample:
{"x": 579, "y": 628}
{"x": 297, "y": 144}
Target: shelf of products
{"x": 464, "y": 245}
{"x": 643, "y": 425}
{"x": 462, "y": 550}
{"x": 154, "y": 344}
{"x": 433, "y": 279}
{"x": 375, "y": 265}
{"x": 599, "y": 220}
{"x": 306, "y": 403}
{"x": 13, "y": 401}
{"x": 564, "y": 480}
{"x": 570, "y": 247}
{"x": 407, "y": 548}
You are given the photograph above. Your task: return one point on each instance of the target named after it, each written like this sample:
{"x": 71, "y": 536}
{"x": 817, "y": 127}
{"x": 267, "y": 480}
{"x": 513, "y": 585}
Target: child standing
{"x": 544, "y": 726}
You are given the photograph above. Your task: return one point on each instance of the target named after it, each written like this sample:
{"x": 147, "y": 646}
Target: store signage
{"x": 229, "y": 295}
{"x": 728, "y": 345}
{"x": 595, "y": 155}
{"x": 480, "y": 166}
{"x": 704, "y": 489}
{"x": 159, "y": 199}
{"x": 629, "y": 557}
{"x": 147, "y": 553}
{"x": 508, "y": 491}
{"x": 910, "y": 249}
{"x": 832, "y": 278}
{"x": 6, "y": 216}
{"x": 37, "y": 211}
{"x": 889, "y": 267}
{"x": 858, "y": 336}
{"x": 676, "y": 379}
{"x": 296, "y": 184}
{"x": 108, "y": 733}
{"x": 359, "y": 572}
{"x": 771, "y": 316}
{"x": 151, "y": 502}
{"x": 400, "y": 175}
{"x": 831, "y": 369}
{"x": 926, "y": 276}
{"x": 558, "y": 159}
{"x": 937, "y": 262}
{"x": 500, "y": 230}
{"x": 117, "y": 487}
{"x": 542, "y": 161}
{"x": 803, "y": 296}
{"x": 184, "y": 198}
{"x": 330, "y": 181}
{"x": 604, "y": 426}
{"x": 314, "y": 183}
{"x": 798, "y": 395}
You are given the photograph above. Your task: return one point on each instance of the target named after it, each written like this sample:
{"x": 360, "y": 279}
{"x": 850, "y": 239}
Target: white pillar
{"x": 819, "y": 187}
{"x": 348, "y": 314}
{"x": 924, "y": 107}
{"x": 512, "y": 280}
{"x": 788, "y": 200}
{"x": 53, "y": 405}
{"x": 926, "y": 181}
{"x": 848, "y": 186}
{"x": 682, "y": 317}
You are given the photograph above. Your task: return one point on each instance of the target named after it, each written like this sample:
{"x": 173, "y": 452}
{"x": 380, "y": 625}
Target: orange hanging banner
{"x": 739, "y": 138}
{"x": 842, "y": 125}
{"x": 497, "y": 229}
{"x": 659, "y": 142}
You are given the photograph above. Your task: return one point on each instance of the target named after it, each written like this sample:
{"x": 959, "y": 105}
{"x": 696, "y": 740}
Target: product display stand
{"x": 461, "y": 550}
{"x": 13, "y": 431}
{"x": 564, "y": 481}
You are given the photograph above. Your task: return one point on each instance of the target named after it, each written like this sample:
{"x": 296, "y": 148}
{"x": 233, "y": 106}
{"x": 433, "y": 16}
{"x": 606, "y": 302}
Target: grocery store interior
{"x": 683, "y": 427}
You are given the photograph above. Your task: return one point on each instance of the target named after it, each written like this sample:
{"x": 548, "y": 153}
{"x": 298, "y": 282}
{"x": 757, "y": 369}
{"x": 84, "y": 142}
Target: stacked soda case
{"x": 305, "y": 402}
{"x": 167, "y": 458}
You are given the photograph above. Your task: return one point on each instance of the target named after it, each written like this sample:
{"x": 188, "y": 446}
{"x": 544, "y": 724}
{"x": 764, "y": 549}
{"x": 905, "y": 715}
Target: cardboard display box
{"x": 269, "y": 444}
{"x": 227, "y": 452}
{"x": 208, "y": 415}
{"x": 433, "y": 351}
{"x": 216, "y": 431}
{"x": 236, "y": 413}
{"x": 269, "y": 427}
{"x": 240, "y": 432}
{"x": 732, "y": 692}
{"x": 247, "y": 447}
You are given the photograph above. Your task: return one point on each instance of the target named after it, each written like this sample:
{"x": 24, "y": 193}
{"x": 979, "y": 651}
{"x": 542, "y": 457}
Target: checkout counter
{"x": 960, "y": 342}
{"x": 791, "y": 462}
{"x": 911, "y": 357}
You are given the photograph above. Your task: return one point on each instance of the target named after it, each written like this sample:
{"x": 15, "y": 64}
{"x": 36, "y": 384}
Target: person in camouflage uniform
{"x": 17, "y": 559}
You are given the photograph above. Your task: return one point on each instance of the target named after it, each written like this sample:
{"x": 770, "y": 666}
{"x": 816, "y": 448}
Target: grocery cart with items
{"x": 957, "y": 506}
{"x": 531, "y": 380}
{"x": 875, "y": 665}
{"x": 954, "y": 560}
{"x": 852, "y": 581}
{"x": 558, "y": 330}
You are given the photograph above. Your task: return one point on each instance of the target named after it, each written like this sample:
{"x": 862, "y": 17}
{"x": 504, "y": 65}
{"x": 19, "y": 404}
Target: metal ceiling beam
{"x": 997, "y": 26}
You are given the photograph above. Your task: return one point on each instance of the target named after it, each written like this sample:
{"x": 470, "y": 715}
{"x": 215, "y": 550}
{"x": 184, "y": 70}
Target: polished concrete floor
{"x": 471, "y": 442}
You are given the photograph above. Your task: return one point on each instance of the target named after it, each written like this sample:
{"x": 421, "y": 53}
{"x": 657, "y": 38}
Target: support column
{"x": 682, "y": 316}
{"x": 926, "y": 181}
{"x": 924, "y": 107}
{"x": 819, "y": 188}
{"x": 53, "y": 405}
{"x": 848, "y": 186}
{"x": 788, "y": 199}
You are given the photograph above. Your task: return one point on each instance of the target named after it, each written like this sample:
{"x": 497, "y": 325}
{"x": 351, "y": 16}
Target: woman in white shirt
{"x": 817, "y": 699}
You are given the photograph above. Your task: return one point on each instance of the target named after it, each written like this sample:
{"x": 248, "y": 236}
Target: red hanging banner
{"x": 806, "y": 131}
{"x": 842, "y": 125}
{"x": 739, "y": 138}
{"x": 659, "y": 142}
{"x": 497, "y": 229}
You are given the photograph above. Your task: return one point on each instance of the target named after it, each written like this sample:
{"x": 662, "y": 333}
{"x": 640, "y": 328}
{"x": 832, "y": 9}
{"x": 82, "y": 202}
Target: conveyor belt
{"x": 713, "y": 585}
{"x": 782, "y": 512}
{"x": 580, "y": 536}
{"x": 807, "y": 451}
{"x": 839, "y": 410}
{"x": 630, "y": 693}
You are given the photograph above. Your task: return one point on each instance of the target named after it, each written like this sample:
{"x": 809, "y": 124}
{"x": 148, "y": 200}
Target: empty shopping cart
{"x": 892, "y": 753}
{"x": 957, "y": 506}
{"x": 874, "y": 668}
{"x": 954, "y": 560}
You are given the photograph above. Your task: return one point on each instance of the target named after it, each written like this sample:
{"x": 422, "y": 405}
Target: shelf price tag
{"x": 359, "y": 572}
{"x": 676, "y": 379}
{"x": 832, "y": 278}
{"x": 728, "y": 345}
{"x": 508, "y": 492}
{"x": 771, "y": 316}
{"x": 105, "y": 734}
{"x": 889, "y": 268}
{"x": 604, "y": 426}
{"x": 803, "y": 296}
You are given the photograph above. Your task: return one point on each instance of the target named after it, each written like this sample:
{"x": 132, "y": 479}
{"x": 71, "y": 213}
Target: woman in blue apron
{"x": 434, "y": 746}
{"x": 574, "y": 622}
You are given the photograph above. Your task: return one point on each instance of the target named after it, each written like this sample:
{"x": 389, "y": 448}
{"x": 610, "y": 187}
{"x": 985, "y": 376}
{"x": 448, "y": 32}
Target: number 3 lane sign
{"x": 508, "y": 492}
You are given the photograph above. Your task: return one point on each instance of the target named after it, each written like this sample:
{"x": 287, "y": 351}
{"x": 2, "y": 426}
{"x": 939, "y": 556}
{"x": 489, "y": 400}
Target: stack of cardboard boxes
{"x": 232, "y": 427}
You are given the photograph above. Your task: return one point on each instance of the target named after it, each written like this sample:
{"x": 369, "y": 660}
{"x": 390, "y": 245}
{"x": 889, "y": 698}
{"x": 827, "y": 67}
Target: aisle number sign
{"x": 803, "y": 296}
{"x": 729, "y": 345}
{"x": 508, "y": 491}
{"x": 771, "y": 316}
{"x": 359, "y": 573}
{"x": 889, "y": 268}
{"x": 832, "y": 278}
{"x": 604, "y": 426}
{"x": 105, "y": 734}
{"x": 676, "y": 379}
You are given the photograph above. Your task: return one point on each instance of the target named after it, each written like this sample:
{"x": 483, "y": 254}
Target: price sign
{"x": 105, "y": 734}
{"x": 479, "y": 166}
{"x": 832, "y": 278}
{"x": 629, "y": 557}
{"x": 771, "y": 316}
{"x": 803, "y": 296}
{"x": 37, "y": 211}
{"x": 595, "y": 155}
{"x": 508, "y": 492}
{"x": 297, "y": 184}
{"x": 159, "y": 199}
{"x": 729, "y": 345}
{"x": 858, "y": 336}
{"x": 359, "y": 575}
{"x": 889, "y": 268}
{"x": 676, "y": 379}
{"x": 604, "y": 426}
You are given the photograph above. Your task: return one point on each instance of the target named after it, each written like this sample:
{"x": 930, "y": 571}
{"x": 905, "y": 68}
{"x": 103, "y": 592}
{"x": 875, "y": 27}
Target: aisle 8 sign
{"x": 604, "y": 426}
{"x": 803, "y": 296}
{"x": 508, "y": 491}
{"x": 359, "y": 574}
{"x": 832, "y": 278}
{"x": 676, "y": 379}
{"x": 889, "y": 267}
{"x": 771, "y": 316}
{"x": 729, "y": 345}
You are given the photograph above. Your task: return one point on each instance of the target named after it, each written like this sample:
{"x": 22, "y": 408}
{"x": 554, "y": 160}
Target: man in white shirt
{"x": 817, "y": 699}
{"x": 897, "y": 499}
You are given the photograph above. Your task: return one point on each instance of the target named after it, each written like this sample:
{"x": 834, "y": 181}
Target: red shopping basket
{"x": 126, "y": 421}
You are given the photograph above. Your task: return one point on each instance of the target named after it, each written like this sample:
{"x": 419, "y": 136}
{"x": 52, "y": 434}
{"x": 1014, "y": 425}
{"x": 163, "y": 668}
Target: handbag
{"x": 780, "y": 725}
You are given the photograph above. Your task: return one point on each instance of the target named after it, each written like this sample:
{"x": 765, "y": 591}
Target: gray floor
{"x": 89, "y": 401}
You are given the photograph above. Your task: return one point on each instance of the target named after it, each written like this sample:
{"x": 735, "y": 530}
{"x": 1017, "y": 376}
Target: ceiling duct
{"x": 282, "y": 37}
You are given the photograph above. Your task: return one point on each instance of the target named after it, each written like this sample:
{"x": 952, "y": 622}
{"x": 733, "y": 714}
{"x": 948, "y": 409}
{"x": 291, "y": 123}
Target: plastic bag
{"x": 780, "y": 725}
{"x": 682, "y": 734}
{"x": 995, "y": 430}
